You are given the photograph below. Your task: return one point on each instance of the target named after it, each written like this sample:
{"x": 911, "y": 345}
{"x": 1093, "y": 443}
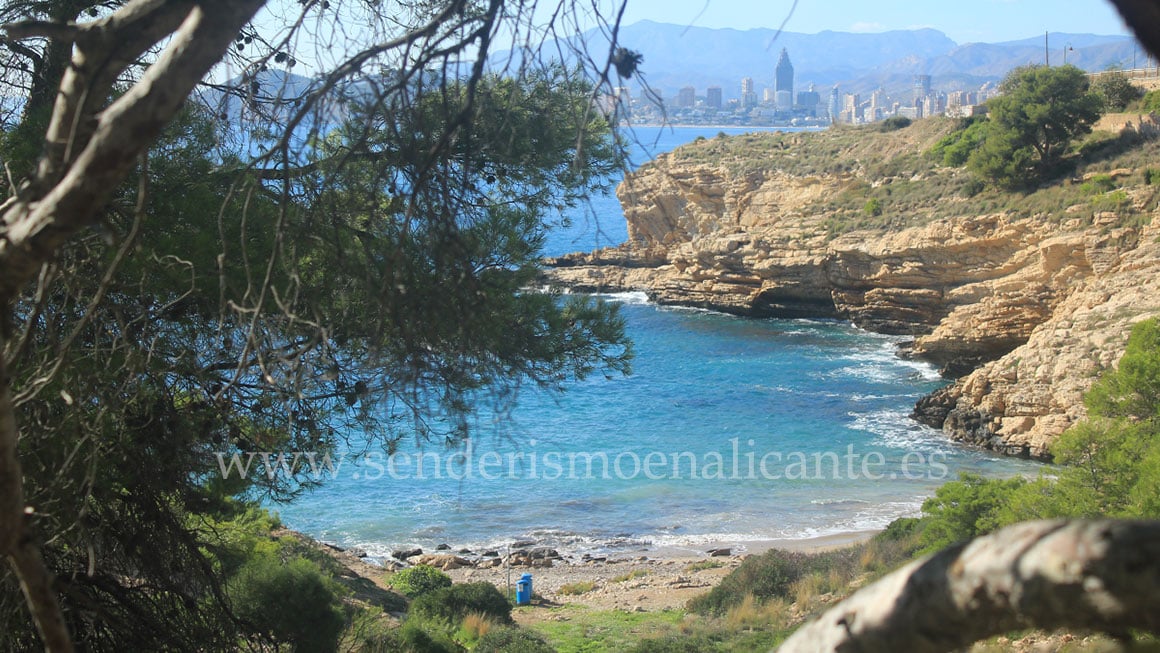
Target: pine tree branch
{"x": 34, "y": 228}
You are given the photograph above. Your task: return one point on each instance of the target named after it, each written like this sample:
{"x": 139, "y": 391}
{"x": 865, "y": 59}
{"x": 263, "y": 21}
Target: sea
{"x": 729, "y": 432}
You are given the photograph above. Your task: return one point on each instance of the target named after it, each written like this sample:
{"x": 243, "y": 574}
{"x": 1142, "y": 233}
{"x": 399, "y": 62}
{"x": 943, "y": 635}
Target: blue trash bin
{"x": 524, "y": 590}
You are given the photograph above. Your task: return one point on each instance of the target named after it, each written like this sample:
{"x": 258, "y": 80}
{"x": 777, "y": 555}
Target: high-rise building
{"x": 686, "y": 97}
{"x": 921, "y": 87}
{"x": 713, "y": 97}
{"x": 748, "y": 94}
{"x": 809, "y": 100}
{"x": 876, "y": 109}
{"x": 852, "y": 108}
{"x": 933, "y": 105}
{"x": 783, "y": 79}
{"x": 908, "y": 112}
{"x": 783, "y": 100}
{"x": 835, "y": 103}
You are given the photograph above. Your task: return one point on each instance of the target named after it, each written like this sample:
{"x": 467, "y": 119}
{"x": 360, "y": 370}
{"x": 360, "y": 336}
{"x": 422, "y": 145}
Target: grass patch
{"x": 474, "y": 627}
{"x": 579, "y": 629}
{"x": 632, "y": 575}
{"x": 751, "y": 613}
{"x": 702, "y": 565}
{"x": 577, "y": 588}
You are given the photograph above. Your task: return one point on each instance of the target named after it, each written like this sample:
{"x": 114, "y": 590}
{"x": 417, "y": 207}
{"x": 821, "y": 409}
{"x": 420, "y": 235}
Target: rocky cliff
{"x": 1023, "y": 299}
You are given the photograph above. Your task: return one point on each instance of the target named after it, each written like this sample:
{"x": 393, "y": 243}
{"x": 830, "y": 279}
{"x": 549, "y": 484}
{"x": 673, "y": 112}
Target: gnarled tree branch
{"x": 1100, "y": 575}
{"x": 28, "y": 29}
{"x": 79, "y": 169}
{"x": 36, "y": 228}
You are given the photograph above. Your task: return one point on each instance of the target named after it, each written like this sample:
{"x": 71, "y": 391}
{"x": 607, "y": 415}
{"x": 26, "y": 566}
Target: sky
{"x": 964, "y": 21}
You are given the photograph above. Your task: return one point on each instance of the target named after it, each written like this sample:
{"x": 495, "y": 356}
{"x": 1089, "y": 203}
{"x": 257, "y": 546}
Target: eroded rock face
{"x": 1020, "y": 402}
{"x": 1026, "y": 311}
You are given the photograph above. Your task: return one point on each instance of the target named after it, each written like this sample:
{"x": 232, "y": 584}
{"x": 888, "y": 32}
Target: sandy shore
{"x": 808, "y": 544}
{"x": 657, "y": 579}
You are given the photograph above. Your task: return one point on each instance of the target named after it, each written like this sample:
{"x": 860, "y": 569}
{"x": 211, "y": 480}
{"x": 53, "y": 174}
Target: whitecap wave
{"x": 633, "y": 297}
{"x": 895, "y": 428}
{"x": 882, "y": 364}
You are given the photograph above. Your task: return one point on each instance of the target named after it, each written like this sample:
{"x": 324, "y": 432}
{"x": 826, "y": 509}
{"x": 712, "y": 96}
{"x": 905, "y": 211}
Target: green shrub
{"x": 900, "y": 529}
{"x": 419, "y": 580}
{"x": 954, "y": 148}
{"x": 1115, "y": 90}
{"x": 512, "y": 640}
{"x": 973, "y": 187}
{"x": 1113, "y": 201}
{"x": 1097, "y": 184}
{"x": 769, "y": 575}
{"x": 894, "y": 123}
{"x": 418, "y": 639}
{"x": 451, "y": 605}
{"x": 872, "y": 207}
{"x": 370, "y": 632}
{"x": 291, "y": 603}
{"x": 1151, "y": 102}
{"x": 1131, "y": 390}
{"x": 963, "y": 509}
{"x": 1151, "y": 176}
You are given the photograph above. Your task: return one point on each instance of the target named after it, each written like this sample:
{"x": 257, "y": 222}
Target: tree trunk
{"x": 68, "y": 191}
{"x": 1099, "y": 575}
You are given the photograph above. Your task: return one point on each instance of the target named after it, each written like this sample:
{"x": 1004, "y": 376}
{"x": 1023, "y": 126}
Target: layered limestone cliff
{"x": 1024, "y": 307}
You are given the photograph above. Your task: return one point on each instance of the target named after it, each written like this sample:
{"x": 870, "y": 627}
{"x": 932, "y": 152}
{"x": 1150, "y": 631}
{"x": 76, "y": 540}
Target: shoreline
{"x": 657, "y": 579}
{"x": 569, "y": 555}
{"x": 811, "y": 544}
{"x": 650, "y": 581}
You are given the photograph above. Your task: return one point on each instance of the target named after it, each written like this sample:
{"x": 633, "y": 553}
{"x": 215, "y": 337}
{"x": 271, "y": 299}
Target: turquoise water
{"x": 600, "y": 223}
{"x": 730, "y": 430}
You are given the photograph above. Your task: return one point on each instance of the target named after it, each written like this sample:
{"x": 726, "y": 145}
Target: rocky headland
{"x": 1022, "y": 298}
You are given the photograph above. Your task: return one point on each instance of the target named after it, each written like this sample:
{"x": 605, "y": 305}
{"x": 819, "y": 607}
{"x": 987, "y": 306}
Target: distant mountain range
{"x": 676, "y": 56}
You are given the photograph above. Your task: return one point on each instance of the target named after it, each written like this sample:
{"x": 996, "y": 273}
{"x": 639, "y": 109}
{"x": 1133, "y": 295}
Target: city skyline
{"x": 681, "y": 64}
{"x": 784, "y": 103}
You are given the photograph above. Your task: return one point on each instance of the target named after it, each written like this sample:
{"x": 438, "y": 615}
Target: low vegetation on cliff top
{"x": 913, "y": 173}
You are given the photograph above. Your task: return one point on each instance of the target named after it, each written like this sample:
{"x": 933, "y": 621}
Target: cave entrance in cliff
{"x": 781, "y": 304}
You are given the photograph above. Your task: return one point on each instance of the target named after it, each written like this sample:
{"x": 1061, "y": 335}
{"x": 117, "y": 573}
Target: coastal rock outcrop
{"x": 1023, "y": 307}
